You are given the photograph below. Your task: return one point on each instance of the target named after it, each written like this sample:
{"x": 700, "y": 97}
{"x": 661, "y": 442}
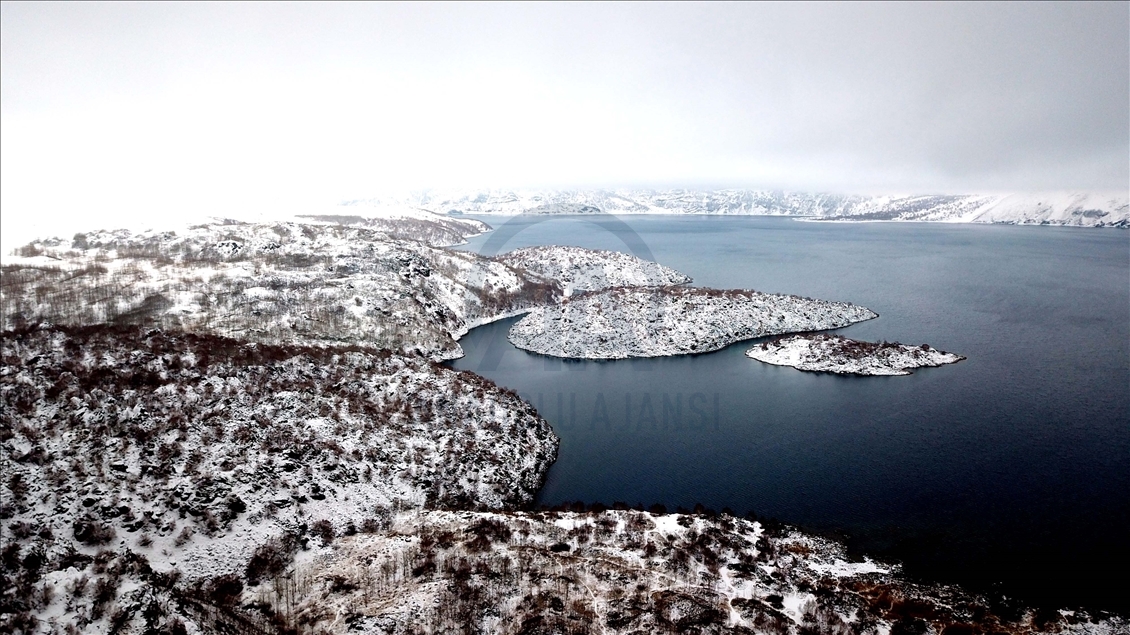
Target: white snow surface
{"x": 1069, "y": 208}
{"x": 326, "y": 283}
{"x": 657, "y": 321}
{"x": 1075, "y": 209}
{"x": 825, "y": 353}
{"x": 578, "y": 269}
{"x": 402, "y": 221}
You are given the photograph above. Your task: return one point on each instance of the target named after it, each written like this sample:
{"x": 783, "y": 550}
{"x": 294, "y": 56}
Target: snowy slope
{"x": 403, "y": 222}
{"x": 190, "y": 452}
{"x": 1080, "y": 209}
{"x": 1063, "y": 208}
{"x": 282, "y": 283}
{"x": 272, "y": 283}
{"x": 836, "y": 354}
{"x": 577, "y": 269}
{"x": 1086, "y": 209}
{"x": 509, "y": 202}
{"x": 620, "y": 571}
{"x": 657, "y": 321}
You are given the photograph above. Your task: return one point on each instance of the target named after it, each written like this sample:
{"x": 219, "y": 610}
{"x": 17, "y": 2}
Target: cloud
{"x": 143, "y": 111}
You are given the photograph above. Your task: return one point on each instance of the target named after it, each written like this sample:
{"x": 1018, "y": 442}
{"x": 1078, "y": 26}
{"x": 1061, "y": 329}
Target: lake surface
{"x": 1009, "y": 471}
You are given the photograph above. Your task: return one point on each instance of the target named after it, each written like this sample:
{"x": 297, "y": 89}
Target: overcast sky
{"x": 130, "y": 111}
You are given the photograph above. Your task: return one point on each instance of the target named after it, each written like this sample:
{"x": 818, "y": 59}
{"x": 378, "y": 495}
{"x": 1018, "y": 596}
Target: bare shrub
{"x": 92, "y": 532}
{"x": 324, "y": 530}
{"x": 184, "y": 536}
{"x": 269, "y": 560}
{"x": 225, "y": 590}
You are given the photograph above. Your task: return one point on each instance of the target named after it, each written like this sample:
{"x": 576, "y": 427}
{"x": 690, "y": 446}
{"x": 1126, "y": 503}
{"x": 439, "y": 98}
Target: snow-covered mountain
{"x": 509, "y": 202}
{"x": 1084, "y": 209}
{"x": 1078, "y": 209}
{"x": 837, "y": 354}
{"x": 656, "y": 321}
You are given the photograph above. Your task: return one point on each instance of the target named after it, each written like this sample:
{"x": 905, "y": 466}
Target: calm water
{"x": 1008, "y": 471}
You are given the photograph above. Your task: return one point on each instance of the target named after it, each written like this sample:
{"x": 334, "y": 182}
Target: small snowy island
{"x": 577, "y": 269}
{"x": 837, "y": 354}
{"x": 658, "y": 321}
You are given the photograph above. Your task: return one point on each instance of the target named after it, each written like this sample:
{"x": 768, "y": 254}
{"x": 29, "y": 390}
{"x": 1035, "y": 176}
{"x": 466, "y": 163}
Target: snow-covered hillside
{"x": 190, "y": 452}
{"x": 623, "y": 571}
{"x": 509, "y": 202}
{"x": 1079, "y": 209}
{"x": 1086, "y": 209}
{"x": 657, "y": 321}
{"x": 1064, "y": 208}
{"x": 836, "y": 354}
{"x": 438, "y": 230}
{"x": 291, "y": 283}
{"x": 281, "y": 283}
{"x": 577, "y": 269}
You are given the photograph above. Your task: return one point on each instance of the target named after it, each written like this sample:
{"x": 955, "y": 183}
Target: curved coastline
{"x": 385, "y": 500}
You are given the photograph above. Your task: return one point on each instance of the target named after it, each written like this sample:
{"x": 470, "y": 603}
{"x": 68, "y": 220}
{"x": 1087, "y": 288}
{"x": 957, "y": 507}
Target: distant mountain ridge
{"x": 1080, "y": 209}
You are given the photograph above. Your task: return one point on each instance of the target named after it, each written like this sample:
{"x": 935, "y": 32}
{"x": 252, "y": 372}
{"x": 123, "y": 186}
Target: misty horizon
{"x": 124, "y": 111}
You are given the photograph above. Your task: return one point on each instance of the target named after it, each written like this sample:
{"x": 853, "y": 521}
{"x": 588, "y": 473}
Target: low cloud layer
{"x": 141, "y": 110}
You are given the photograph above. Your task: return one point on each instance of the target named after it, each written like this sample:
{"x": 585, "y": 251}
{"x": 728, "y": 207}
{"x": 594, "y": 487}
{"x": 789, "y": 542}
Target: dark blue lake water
{"x": 1008, "y": 471}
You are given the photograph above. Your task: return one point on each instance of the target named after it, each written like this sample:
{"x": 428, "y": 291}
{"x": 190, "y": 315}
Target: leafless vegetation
{"x": 276, "y": 284}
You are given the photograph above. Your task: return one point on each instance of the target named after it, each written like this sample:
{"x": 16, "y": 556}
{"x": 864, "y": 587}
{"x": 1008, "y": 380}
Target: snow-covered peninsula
{"x": 824, "y": 353}
{"x": 577, "y": 269}
{"x": 657, "y": 321}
